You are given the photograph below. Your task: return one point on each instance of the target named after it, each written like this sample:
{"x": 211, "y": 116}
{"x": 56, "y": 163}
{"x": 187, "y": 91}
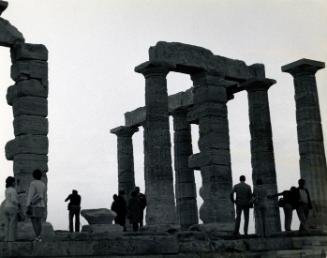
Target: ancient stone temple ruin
{"x": 173, "y": 227}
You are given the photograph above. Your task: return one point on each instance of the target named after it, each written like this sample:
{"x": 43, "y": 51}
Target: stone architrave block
{"x": 30, "y": 125}
{"x": 29, "y": 51}
{"x": 27, "y": 163}
{"x": 136, "y": 117}
{"x": 27, "y": 144}
{"x": 212, "y": 157}
{"x": 33, "y": 106}
{"x": 30, "y": 69}
{"x": 9, "y": 35}
{"x": 98, "y": 216}
{"x": 33, "y": 88}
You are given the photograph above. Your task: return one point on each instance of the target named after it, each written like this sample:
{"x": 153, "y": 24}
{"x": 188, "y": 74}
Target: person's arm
{"x": 274, "y": 195}
{"x": 30, "y": 194}
{"x": 45, "y": 196}
{"x": 232, "y": 195}
{"x": 68, "y": 198}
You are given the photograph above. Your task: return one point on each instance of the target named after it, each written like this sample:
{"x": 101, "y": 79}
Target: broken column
{"x": 310, "y": 137}
{"x": 28, "y": 97}
{"x": 126, "y": 180}
{"x": 157, "y": 146}
{"x": 210, "y": 113}
{"x": 262, "y": 151}
{"x": 185, "y": 189}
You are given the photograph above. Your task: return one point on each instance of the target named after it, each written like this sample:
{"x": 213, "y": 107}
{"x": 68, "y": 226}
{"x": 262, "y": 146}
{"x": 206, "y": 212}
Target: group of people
{"x": 133, "y": 209}
{"x": 297, "y": 198}
{"x": 35, "y": 206}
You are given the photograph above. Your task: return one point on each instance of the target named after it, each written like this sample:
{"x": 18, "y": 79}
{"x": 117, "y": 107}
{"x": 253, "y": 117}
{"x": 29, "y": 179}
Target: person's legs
{"x": 135, "y": 227}
{"x": 70, "y": 216}
{"x": 246, "y": 220}
{"x": 10, "y": 224}
{"x": 141, "y": 218}
{"x": 288, "y": 211}
{"x": 302, "y": 217}
{"x": 238, "y": 220}
{"x": 77, "y": 221}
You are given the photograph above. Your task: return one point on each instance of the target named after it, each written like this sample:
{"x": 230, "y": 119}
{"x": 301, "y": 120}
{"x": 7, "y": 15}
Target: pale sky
{"x": 93, "y": 49}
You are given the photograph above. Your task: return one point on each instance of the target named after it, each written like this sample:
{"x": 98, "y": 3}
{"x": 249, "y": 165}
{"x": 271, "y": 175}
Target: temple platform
{"x": 187, "y": 244}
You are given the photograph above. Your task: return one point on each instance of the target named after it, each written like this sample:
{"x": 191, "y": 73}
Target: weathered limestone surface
{"x": 157, "y": 163}
{"x": 26, "y": 163}
{"x": 9, "y": 35}
{"x": 185, "y": 188}
{"x": 210, "y": 112}
{"x": 30, "y": 69}
{"x": 103, "y": 228}
{"x": 29, "y": 52}
{"x": 33, "y": 106}
{"x": 34, "y": 125}
{"x": 98, "y": 216}
{"x": 310, "y": 138}
{"x": 262, "y": 152}
{"x": 126, "y": 179}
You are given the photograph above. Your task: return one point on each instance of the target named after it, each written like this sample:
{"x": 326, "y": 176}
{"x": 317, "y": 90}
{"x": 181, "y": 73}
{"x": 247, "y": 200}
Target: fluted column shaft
{"x": 262, "y": 151}
{"x": 185, "y": 188}
{"x": 210, "y": 112}
{"x": 125, "y": 155}
{"x": 157, "y": 147}
{"x": 310, "y": 137}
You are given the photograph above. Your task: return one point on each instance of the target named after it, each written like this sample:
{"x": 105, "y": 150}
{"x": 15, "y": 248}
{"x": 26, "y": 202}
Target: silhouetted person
{"x": 304, "y": 205}
{"x": 36, "y": 203}
{"x": 10, "y": 207}
{"x": 243, "y": 197}
{"x": 142, "y": 203}
{"x": 289, "y": 203}
{"x": 119, "y": 206}
{"x": 260, "y": 207}
{"x": 74, "y": 208}
{"x": 134, "y": 211}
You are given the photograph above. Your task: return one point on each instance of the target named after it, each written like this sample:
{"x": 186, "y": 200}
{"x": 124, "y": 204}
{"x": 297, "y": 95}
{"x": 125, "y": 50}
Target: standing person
{"x": 289, "y": 202}
{"x": 134, "y": 211}
{"x": 260, "y": 207}
{"x": 36, "y": 202}
{"x": 243, "y": 197}
{"x": 304, "y": 205}
{"x": 10, "y": 209}
{"x": 119, "y": 206}
{"x": 142, "y": 202}
{"x": 74, "y": 208}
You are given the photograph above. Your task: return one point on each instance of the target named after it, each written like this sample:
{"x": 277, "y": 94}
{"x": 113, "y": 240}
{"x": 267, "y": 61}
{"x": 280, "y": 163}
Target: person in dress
{"x": 10, "y": 209}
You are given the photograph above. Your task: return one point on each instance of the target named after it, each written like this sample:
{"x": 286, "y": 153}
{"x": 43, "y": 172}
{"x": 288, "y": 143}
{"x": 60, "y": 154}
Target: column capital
{"x": 303, "y": 67}
{"x": 3, "y": 6}
{"x": 258, "y": 84}
{"x": 124, "y": 131}
{"x": 152, "y": 68}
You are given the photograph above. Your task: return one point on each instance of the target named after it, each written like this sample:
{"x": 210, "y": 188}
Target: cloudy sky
{"x": 94, "y": 47}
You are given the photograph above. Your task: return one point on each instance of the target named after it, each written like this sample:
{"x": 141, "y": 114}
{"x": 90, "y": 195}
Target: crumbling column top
{"x": 154, "y": 67}
{"x": 3, "y": 6}
{"x": 258, "y": 84}
{"x": 124, "y": 131}
{"x": 303, "y": 66}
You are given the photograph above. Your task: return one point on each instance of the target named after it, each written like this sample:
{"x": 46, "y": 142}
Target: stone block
{"x": 207, "y": 110}
{"x": 214, "y": 140}
{"x": 25, "y": 231}
{"x": 186, "y": 190}
{"x": 136, "y": 117}
{"x": 27, "y": 51}
{"x": 103, "y": 228}
{"x": 98, "y": 216}
{"x": 22, "y": 183}
{"x": 31, "y": 69}
{"x": 309, "y": 131}
{"x": 213, "y": 157}
{"x": 311, "y": 148}
{"x": 209, "y": 94}
{"x": 261, "y": 144}
{"x": 27, "y": 144}
{"x": 33, "y": 106}
{"x": 9, "y": 35}
{"x": 27, "y": 163}
{"x": 30, "y": 125}
{"x": 179, "y": 100}
{"x": 214, "y": 229}
{"x": 24, "y": 88}
{"x": 308, "y": 113}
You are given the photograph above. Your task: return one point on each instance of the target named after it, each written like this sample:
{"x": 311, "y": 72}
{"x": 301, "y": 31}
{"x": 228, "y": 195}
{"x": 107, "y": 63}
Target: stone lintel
{"x": 154, "y": 67}
{"x": 135, "y": 117}
{"x": 9, "y": 35}
{"x": 258, "y": 84}
{"x": 180, "y": 100}
{"x": 27, "y": 51}
{"x": 3, "y": 6}
{"x": 303, "y": 66}
{"x": 124, "y": 131}
{"x": 208, "y": 158}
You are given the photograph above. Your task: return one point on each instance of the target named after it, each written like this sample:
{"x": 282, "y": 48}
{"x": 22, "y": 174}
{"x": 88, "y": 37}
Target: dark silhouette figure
{"x": 142, "y": 203}
{"x": 134, "y": 211}
{"x": 260, "y": 207}
{"x": 74, "y": 208}
{"x": 119, "y": 206}
{"x": 243, "y": 202}
{"x": 289, "y": 202}
{"x": 10, "y": 207}
{"x": 304, "y": 205}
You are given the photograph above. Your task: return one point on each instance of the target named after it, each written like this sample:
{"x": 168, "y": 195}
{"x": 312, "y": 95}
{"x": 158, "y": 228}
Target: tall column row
{"x": 28, "y": 98}
{"x": 310, "y": 137}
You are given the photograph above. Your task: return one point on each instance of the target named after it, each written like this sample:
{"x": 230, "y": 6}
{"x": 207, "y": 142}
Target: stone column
{"x": 262, "y": 151}
{"x": 28, "y": 97}
{"x": 185, "y": 188}
{"x": 210, "y": 112}
{"x": 310, "y": 137}
{"x": 157, "y": 146}
{"x": 126, "y": 180}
